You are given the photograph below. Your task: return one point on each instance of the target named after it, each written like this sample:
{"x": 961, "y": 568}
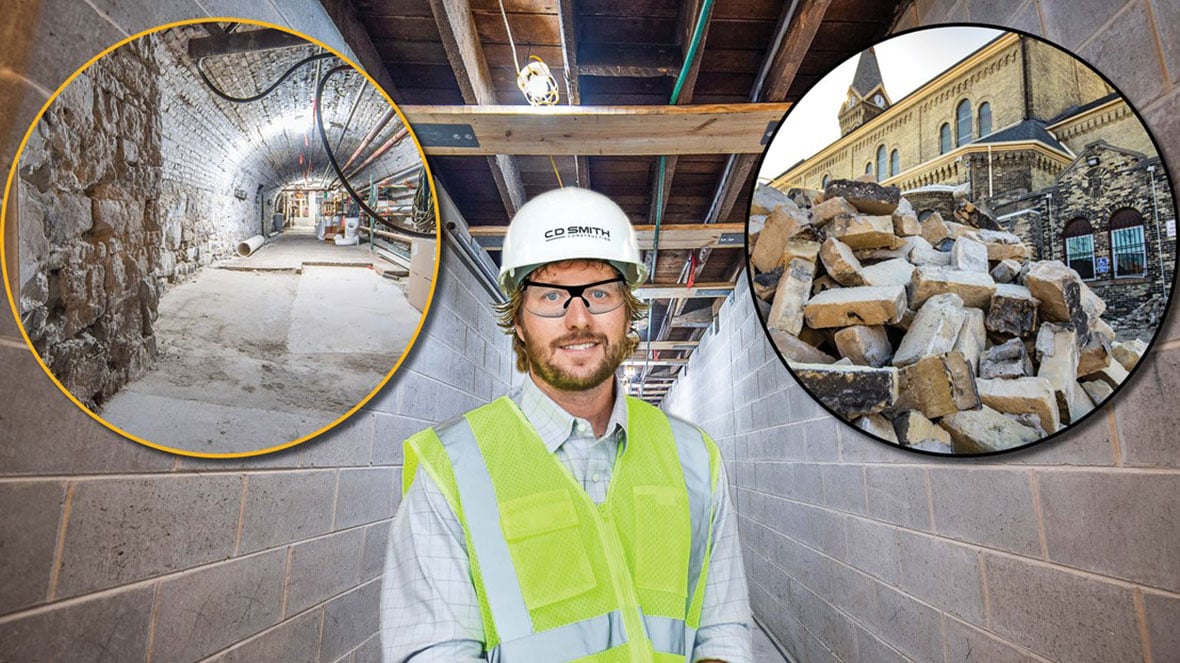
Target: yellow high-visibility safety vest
{"x": 558, "y": 577}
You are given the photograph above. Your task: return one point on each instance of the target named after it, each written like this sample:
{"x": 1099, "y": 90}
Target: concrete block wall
{"x": 856, "y": 551}
{"x": 116, "y": 552}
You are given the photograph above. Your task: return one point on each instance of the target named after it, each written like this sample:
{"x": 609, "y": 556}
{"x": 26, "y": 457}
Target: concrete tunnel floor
{"x": 256, "y": 352}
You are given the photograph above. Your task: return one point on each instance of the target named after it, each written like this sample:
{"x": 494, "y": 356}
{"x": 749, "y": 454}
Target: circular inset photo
{"x": 227, "y": 238}
{"x": 963, "y": 240}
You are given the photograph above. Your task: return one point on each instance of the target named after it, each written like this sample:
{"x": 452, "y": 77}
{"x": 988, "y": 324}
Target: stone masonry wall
{"x": 856, "y": 551}
{"x": 116, "y": 552}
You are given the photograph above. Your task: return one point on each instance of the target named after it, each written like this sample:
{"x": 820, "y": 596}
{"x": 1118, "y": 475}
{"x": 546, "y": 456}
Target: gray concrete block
{"x": 989, "y": 507}
{"x": 389, "y": 431}
{"x": 281, "y": 507}
{"x": 911, "y": 627}
{"x": 1061, "y": 615}
{"x": 996, "y": 12}
{"x": 112, "y": 627}
{"x": 322, "y": 568}
{"x": 1163, "y": 616}
{"x": 871, "y": 649}
{"x": 1085, "y": 443}
{"x": 92, "y": 558}
{"x": 1071, "y": 23}
{"x": 821, "y": 441}
{"x": 349, "y": 444}
{"x": 365, "y": 495}
{"x": 844, "y": 487}
{"x": 943, "y": 574}
{"x": 1145, "y": 412}
{"x": 854, "y": 593}
{"x": 832, "y": 627}
{"x": 44, "y": 433}
{"x": 376, "y": 545}
{"x": 29, "y": 524}
{"x": 350, "y": 619}
{"x": 202, "y": 612}
{"x": 898, "y": 495}
{"x": 369, "y": 651}
{"x": 296, "y": 640}
{"x": 967, "y": 643}
{"x": 873, "y": 548}
{"x": 1130, "y": 522}
{"x": 1137, "y": 72}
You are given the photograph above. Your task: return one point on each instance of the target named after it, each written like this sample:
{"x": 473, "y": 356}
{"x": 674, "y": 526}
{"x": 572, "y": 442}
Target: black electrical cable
{"x": 241, "y": 100}
{"x": 319, "y": 123}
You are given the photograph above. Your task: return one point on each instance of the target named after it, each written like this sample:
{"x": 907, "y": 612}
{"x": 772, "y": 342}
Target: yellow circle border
{"x": 4, "y": 249}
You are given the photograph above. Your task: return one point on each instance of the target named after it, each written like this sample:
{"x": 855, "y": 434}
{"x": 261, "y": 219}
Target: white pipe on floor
{"x": 248, "y": 246}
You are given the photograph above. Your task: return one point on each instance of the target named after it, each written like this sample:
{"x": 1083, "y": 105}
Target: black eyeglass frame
{"x": 574, "y": 291}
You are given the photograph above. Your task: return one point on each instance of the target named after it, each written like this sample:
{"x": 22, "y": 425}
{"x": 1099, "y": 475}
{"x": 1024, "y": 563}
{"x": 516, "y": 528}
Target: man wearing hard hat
{"x": 566, "y": 521}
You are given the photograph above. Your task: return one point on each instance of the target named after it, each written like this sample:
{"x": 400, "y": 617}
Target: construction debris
{"x": 936, "y": 335}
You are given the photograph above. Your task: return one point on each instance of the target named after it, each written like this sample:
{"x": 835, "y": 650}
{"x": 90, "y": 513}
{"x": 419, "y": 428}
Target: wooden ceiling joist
{"x": 697, "y": 291}
{"x": 595, "y": 130}
{"x": 456, "y": 28}
{"x": 567, "y": 23}
{"x": 668, "y": 345}
{"x": 672, "y": 236}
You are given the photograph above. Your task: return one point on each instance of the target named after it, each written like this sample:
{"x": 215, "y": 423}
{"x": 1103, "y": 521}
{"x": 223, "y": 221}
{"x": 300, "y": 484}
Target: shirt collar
{"x": 553, "y": 424}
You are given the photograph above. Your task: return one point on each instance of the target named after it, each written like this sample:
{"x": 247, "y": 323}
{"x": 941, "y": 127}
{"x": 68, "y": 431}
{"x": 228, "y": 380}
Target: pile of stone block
{"x": 938, "y": 334}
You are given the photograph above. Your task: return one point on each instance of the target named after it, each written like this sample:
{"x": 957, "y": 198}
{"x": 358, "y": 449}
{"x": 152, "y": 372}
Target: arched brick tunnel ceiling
{"x": 276, "y": 142}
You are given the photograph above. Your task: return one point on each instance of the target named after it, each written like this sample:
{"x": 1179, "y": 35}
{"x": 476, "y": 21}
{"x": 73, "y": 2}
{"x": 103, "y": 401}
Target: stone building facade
{"x": 1039, "y": 139}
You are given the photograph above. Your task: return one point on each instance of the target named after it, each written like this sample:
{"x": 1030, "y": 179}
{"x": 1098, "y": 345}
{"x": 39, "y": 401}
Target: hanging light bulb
{"x": 537, "y": 84}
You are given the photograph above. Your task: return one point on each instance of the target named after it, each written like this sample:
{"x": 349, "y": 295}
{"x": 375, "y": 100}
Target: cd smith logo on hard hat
{"x": 577, "y": 231}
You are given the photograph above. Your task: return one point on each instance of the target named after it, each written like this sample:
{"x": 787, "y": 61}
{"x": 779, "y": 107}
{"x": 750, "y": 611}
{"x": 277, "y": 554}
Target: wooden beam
{"x": 672, "y": 236}
{"x": 247, "y": 41}
{"x": 784, "y": 65}
{"x": 596, "y": 130}
{"x": 697, "y": 291}
{"x": 628, "y": 60}
{"x": 460, "y": 39}
{"x": 668, "y": 345}
{"x": 671, "y": 361}
{"x": 356, "y": 35}
{"x": 567, "y": 16}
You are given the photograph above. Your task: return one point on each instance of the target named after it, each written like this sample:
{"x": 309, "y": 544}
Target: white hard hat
{"x": 567, "y": 224}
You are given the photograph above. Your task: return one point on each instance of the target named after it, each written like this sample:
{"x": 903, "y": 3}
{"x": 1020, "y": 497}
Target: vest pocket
{"x": 545, "y": 541}
{"x": 662, "y": 539}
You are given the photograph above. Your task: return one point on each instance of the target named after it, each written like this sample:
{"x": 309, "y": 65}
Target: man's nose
{"x": 577, "y": 314}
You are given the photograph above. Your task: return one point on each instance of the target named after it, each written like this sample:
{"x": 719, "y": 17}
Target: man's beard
{"x": 540, "y": 362}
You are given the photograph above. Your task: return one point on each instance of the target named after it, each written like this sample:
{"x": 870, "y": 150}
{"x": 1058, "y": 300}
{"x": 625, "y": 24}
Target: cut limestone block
{"x": 797, "y": 247}
{"x": 1013, "y": 311}
{"x": 1006, "y": 271}
{"x": 974, "y": 288}
{"x": 1112, "y": 374}
{"x": 805, "y": 198}
{"x": 757, "y": 223}
{"x": 863, "y": 231}
{"x": 969, "y": 255}
{"x": 922, "y": 255}
{"x": 972, "y": 337}
{"x": 934, "y": 446}
{"x": 905, "y": 224}
{"x": 868, "y": 197}
{"x": 797, "y": 351}
{"x": 1008, "y": 360}
{"x": 1081, "y": 405}
{"x": 1097, "y": 390}
{"x": 958, "y": 230}
{"x": 985, "y": 430}
{"x": 934, "y": 229}
{"x": 937, "y": 386}
{"x": 863, "y": 305}
{"x": 1003, "y": 245}
{"x": 1057, "y": 352}
{"x": 912, "y": 427}
{"x": 830, "y": 209}
{"x": 1129, "y": 353}
{"x": 767, "y": 199}
{"x": 875, "y": 424}
{"x": 794, "y": 289}
{"x": 1094, "y": 355}
{"x": 783, "y": 223}
{"x": 1022, "y": 396}
{"x": 822, "y": 283}
{"x": 841, "y": 265}
{"x": 813, "y": 337}
{"x": 850, "y": 391}
{"x": 865, "y": 346}
{"x": 765, "y": 283}
{"x": 935, "y": 329}
{"x": 889, "y": 272}
{"x": 1059, "y": 289}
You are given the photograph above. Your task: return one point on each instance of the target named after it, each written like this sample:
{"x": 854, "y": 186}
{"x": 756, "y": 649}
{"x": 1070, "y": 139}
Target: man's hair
{"x": 510, "y": 310}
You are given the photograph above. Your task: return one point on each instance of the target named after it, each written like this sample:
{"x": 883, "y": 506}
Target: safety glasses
{"x": 550, "y": 300}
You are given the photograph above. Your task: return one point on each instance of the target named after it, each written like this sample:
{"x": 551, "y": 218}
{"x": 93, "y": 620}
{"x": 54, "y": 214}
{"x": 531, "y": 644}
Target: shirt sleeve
{"x": 724, "y": 634}
{"x": 429, "y": 611}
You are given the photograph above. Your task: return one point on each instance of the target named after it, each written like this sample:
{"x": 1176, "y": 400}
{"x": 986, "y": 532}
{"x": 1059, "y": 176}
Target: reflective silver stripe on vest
{"x": 694, "y": 459}
{"x": 482, "y": 512}
{"x": 671, "y": 636}
{"x": 564, "y": 643}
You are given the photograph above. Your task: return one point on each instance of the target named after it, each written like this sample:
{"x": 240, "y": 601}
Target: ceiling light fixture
{"x": 534, "y": 79}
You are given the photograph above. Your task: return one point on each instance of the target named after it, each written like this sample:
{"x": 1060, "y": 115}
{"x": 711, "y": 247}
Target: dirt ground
{"x": 259, "y": 351}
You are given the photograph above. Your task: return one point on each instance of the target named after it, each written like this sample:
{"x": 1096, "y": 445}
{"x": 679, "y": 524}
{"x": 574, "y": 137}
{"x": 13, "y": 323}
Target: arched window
{"x": 824, "y": 182}
{"x": 1079, "y": 247}
{"x": 894, "y": 163}
{"x": 963, "y": 122}
{"x": 944, "y": 138}
{"x": 882, "y": 167}
{"x": 1128, "y": 245}
{"x": 869, "y": 168}
{"x": 985, "y": 119}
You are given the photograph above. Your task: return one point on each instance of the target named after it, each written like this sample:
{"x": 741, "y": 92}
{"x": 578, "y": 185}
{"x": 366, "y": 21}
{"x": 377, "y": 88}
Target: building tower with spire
{"x": 866, "y": 96}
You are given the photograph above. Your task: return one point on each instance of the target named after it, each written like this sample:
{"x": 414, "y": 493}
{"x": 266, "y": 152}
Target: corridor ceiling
{"x": 449, "y": 65}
